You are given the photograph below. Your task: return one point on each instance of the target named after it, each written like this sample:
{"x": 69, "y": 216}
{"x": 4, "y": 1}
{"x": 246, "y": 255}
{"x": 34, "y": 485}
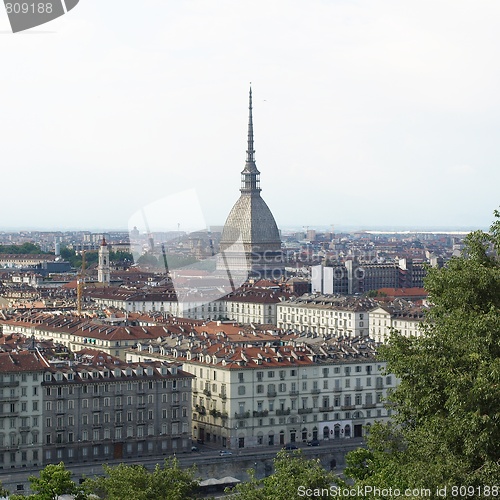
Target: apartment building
{"x": 247, "y": 396}
{"x": 400, "y": 316}
{"x": 326, "y": 315}
{"x": 102, "y": 409}
{"x": 243, "y": 306}
{"x": 95, "y": 408}
{"x": 77, "y": 333}
{"x": 21, "y": 409}
{"x": 353, "y": 277}
{"x": 246, "y": 305}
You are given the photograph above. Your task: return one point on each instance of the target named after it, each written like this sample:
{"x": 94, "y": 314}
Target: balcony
{"x": 207, "y": 393}
{"x": 262, "y": 413}
{"x": 358, "y": 388}
{"x": 271, "y": 394}
{"x": 347, "y": 407}
{"x": 242, "y": 415}
{"x": 315, "y": 391}
{"x": 379, "y": 385}
{"x": 280, "y": 413}
{"x": 8, "y": 398}
{"x": 9, "y": 383}
{"x": 223, "y": 395}
{"x": 369, "y": 405}
{"x": 337, "y": 389}
{"x": 325, "y": 408}
{"x": 294, "y": 393}
{"x": 201, "y": 410}
{"x": 24, "y": 428}
{"x": 303, "y": 411}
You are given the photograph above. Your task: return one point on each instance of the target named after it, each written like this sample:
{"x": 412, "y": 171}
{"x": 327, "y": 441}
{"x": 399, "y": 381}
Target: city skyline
{"x": 365, "y": 116}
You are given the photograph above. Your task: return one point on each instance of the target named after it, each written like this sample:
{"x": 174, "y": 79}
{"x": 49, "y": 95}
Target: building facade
{"x": 398, "y": 317}
{"x": 251, "y": 397}
{"x": 96, "y": 408}
{"x": 326, "y": 315}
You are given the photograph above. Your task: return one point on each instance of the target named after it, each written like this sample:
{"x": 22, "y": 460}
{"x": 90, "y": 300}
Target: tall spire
{"x": 250, "y": 150}
{"x": 250, "y": 177}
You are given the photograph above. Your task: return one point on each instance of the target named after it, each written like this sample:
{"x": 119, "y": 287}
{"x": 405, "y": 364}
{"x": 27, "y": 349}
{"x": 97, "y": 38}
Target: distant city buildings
{"x": 127, "y": 359}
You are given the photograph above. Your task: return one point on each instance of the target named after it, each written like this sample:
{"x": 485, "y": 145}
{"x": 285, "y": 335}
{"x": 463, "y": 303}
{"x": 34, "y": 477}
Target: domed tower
{"x": 251, "y": 243}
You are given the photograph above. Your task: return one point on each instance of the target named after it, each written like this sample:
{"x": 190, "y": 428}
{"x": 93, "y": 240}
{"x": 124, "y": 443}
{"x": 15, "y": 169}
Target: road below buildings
{"x": 208, "y": 462}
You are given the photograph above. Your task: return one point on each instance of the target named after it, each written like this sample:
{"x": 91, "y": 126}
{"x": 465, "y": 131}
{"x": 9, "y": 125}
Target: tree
{"x": 292, "y": 471}
{"x": 134, "y": 482}
{"x": 54, "y": 480}
{"x": 25, "y": 248}
{"x": 147, "y": 260}
{"x": 447, "y": 425}
{"x": 3, "y": 491}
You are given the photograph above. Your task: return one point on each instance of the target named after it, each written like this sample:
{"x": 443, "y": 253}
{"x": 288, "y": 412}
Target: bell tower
{"x": 103, "y": 273}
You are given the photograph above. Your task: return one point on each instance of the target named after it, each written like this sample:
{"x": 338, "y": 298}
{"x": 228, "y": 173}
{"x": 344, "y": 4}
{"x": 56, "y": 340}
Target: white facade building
{"x": 386, "y": 319}
{"x": 264, "y": 396}
{"x": 326, "y": 315}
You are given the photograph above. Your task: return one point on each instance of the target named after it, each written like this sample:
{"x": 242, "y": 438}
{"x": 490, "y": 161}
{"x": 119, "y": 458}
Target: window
{"x": 270, "y": 374}
{"x": 260, "y": 389}
{"x": 240, "y": 377}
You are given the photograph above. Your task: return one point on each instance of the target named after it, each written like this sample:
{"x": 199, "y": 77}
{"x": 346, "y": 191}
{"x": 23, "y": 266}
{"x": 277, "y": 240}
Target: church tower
{"x": 103, "y": 274}
{"x": 251, "y": 243}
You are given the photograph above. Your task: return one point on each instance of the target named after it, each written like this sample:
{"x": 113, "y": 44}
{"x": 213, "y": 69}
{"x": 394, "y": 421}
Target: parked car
{"x": 224, "y": 453}
{"x": 290, "y": 446}
{"x": 313, "y": 442}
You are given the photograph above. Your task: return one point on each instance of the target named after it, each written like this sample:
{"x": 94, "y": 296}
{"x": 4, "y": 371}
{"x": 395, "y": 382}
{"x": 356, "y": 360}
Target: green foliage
{"x": 25, "y": 248}
{"x": 291, "y": 471}
{"x": 3, "y": 491}
{"x": 134, "y": 482}
{"x": 121, "y": 256}
{"x": 53, "y": 481}
{"x": 447, "y": 425}
{"x": 147, "y": 260}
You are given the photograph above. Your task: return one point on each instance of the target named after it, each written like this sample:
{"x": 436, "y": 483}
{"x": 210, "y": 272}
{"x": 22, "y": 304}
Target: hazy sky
{"x": 366, "y": 113}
